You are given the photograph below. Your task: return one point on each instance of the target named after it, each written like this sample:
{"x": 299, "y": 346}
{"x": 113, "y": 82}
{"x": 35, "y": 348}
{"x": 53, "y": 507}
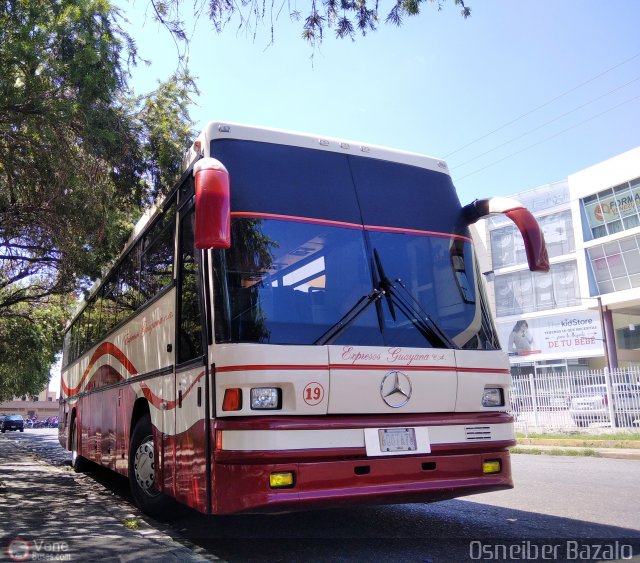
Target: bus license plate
{"x": 397, "y": 439}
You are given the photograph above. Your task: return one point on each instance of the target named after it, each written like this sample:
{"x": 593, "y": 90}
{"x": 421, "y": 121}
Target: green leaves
{"x": 343, "y": 16}
{"x": 167, "y": 129}
{"x": 30, "y": 338}
{"x": 80, "y": 157}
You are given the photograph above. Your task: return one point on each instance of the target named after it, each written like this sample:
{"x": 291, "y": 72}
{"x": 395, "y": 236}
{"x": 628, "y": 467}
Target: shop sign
{"x": 577, "y": 334}
{"x": 614, "y": 207}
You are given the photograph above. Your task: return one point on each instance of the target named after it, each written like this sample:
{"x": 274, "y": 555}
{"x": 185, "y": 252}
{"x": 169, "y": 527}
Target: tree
{"x": 69, "y": 156}
{"x": 30, "y": 338}
{"x": 346, "y": 18}
{"x": 167, "y": 129}
{"x": 80, "y": 156}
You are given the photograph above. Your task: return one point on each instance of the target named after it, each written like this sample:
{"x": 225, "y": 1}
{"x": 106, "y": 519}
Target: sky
{"x": 519, "y": 95}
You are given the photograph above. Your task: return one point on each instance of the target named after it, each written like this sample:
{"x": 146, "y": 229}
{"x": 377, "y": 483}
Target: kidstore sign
{"x": 614, "y": 207}
{"x": 572, "y": 335}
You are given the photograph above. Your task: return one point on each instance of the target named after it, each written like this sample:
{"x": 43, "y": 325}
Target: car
{"x": 546, "y": 399}
{"x": 591, "y": 404}
{"x": 13, "y": 422}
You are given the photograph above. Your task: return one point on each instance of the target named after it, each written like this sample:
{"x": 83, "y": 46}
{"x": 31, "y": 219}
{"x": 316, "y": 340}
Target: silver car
{"x": 591, "y": 404}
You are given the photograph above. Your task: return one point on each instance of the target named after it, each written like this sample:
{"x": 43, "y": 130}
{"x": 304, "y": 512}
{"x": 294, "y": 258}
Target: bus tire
{"x": 80, "y": 464}
{"x": 142, "y": 472}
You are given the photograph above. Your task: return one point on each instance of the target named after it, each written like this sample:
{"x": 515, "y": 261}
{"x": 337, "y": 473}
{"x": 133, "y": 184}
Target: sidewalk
{"x": 49, "y": 513}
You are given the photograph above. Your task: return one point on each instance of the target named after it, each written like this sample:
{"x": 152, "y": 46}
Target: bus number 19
{"x": 313, "y": 394}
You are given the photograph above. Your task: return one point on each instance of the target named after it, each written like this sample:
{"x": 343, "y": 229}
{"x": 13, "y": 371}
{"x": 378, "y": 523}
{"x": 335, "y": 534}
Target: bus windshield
{"x": 315, "y": 231}
{"x": 288, "y": 282}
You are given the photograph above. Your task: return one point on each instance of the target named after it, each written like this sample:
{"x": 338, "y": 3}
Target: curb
{"x": 581, "y": 443}
{"x": 609, "y": 453}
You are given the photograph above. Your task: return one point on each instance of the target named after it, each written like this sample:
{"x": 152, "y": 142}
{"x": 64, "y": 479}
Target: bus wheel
{"x": 80, "y": 464}
{"x": 142, "y": 471}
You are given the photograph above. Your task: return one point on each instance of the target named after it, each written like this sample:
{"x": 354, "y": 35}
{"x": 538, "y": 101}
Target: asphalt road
{"x": 562, "y": 509}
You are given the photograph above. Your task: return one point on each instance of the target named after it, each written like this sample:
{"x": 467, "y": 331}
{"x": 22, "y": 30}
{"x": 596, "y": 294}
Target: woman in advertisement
{"x": 520, "y": 341}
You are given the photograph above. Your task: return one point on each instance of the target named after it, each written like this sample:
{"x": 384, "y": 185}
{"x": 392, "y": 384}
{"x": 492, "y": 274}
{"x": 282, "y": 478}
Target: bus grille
{"x": 477, "y": 433}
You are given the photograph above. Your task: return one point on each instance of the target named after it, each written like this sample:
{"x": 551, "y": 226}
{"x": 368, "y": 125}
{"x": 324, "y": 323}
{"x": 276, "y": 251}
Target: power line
{"x": 548, "y": 138}
{"x": 542, "y": 105}
{"x": 456, "y": 166}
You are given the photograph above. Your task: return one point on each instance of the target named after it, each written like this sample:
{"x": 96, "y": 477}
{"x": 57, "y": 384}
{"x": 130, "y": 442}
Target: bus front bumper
{"x": 328, "y": 464}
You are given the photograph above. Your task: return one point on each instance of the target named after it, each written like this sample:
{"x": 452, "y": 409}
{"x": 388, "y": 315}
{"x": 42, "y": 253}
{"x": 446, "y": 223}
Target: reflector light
{"x": 281, "y": 480}
{"x": 232, "y": 399}
{"x": 492, "y": 466}
{"x": 265, "y": 398}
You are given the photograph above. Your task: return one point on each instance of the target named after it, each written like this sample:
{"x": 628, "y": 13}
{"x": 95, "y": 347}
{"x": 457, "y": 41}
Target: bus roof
{"x": 223, "y": 129}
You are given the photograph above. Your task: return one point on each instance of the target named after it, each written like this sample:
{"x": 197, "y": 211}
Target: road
{"x": 569, "y": 506}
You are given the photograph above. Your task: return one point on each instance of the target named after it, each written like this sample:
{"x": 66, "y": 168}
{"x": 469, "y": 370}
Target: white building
{"x": 584, "y": 313}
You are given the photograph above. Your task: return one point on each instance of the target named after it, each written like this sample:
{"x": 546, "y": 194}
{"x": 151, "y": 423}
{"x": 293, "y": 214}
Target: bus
{"x": 301, "y": 323}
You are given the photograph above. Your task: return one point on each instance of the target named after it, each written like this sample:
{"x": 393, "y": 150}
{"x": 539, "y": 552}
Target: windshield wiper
{"x": 411, "y": 308}
{"x": 349, "y": 317}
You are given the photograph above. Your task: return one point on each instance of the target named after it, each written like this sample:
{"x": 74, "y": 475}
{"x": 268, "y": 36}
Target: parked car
{"x": 546, "y": 399}
{"x": 591, "y": 404}
{"x": 13, "y": 422}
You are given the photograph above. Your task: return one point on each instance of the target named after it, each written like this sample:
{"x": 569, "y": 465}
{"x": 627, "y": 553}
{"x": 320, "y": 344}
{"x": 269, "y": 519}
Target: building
{"x": 585, "y": 312}
{"x": 45, "y": 406}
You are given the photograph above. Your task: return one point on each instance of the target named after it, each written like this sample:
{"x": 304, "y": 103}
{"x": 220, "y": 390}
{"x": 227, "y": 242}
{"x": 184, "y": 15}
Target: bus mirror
{"x": 529, "y": 228}
{"x": 213, "y": 205}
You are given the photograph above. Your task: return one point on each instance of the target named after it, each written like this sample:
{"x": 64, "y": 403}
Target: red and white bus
{"x": 300, "y": 324}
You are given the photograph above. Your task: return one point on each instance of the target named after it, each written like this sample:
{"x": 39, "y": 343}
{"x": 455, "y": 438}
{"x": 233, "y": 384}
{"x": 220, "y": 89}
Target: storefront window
{"x": 613, "y": 210}
{"x": 616, "y": 265}
{"x": 525, "y": 292}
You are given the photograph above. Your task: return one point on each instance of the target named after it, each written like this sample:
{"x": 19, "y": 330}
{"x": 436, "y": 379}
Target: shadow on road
{"x": 455, "y": 530}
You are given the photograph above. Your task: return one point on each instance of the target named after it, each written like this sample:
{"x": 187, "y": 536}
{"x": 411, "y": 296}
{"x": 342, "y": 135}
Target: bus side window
{"x": 189, "y": 317}
{"x": 156, "y": 259}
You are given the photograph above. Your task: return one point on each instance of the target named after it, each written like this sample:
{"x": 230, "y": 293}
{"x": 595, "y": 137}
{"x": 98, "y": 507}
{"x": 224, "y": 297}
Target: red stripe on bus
{"x": 264, "y": 367}
{"x": 110, "y": 349}
{"x": 106, "y": 348}
{"x": 418, "y": 232}
{"x": 252, "y": 215}
{"x": 307, "y": 367}
{"x": 169, "y": 405}
{"x": 379, "y": 228}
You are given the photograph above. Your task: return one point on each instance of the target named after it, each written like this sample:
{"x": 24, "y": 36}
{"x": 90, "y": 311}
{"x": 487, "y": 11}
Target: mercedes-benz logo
{"x": 395, "y": 389}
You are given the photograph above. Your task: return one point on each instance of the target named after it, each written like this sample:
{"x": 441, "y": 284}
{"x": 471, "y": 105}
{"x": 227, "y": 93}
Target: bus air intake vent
{"x": 477, "y": 433}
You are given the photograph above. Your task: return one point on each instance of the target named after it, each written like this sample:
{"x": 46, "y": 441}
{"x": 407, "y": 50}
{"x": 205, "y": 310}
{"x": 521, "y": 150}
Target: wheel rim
{"x": 144, "y": 467}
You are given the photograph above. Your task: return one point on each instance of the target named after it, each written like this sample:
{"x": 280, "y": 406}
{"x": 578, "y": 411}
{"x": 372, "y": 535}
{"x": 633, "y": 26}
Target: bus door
{"x": 190, "y": 371}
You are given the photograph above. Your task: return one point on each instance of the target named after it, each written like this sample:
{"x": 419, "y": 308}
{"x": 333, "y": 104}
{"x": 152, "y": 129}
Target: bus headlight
{"x": 266, "y": 398}
{"x": 493, "y": 397}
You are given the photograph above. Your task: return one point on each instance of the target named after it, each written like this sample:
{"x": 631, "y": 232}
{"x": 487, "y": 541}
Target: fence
{"x": 568, "y": 401}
